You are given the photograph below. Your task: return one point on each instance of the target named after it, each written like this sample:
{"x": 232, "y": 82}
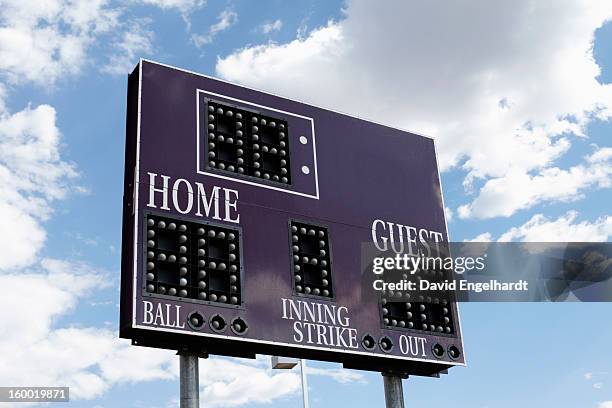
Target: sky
{"x": 517, "y": 94}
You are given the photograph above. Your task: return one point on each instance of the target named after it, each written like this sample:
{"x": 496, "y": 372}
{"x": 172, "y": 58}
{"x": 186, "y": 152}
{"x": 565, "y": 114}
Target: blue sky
{"x": 516, "y": 96}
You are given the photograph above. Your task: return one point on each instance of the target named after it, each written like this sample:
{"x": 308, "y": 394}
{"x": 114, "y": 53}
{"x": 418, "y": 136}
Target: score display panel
{"x": 245, "y": 219}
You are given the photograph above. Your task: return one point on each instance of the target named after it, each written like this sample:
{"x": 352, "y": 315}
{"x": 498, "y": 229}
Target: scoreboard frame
{"x": 204, "y": 343}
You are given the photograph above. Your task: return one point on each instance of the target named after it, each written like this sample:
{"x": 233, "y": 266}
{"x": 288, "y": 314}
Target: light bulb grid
{"x": 430, "y": 315}
{"x": 247, "y": 143}
{"x": 195, "y": 261}
{"x": 415, "y": 310}
{"x": 311, "y": 260}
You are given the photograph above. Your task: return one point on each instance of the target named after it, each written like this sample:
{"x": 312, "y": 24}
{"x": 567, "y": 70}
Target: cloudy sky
{"x": 518, "y": 95}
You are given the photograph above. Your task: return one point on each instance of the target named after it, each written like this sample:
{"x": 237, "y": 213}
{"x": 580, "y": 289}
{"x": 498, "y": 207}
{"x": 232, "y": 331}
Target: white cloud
{"x": 25, "y": 239}
{"x": 43, "y": 41}
{"x": 259, "y": 66}
{"x": 484, "y": 237}
{"x": 32, "y": 176}
{"x": 269, "y": 27}
{"x": 341, "y": 375}
{"x": 519, "y": 190}
{"x": 605, "y": 404}
{"x": 88, "y": 360}
{"x": 2, "y": 98}
{"x": 588, "y": 376}
{"x": 565, "y": 228}
{"x": 225, "y": 20}
{"x": 601, "y": 155}
{"x": 183, "y": 6}
{"x": 231, "y": 383}
{"x": 502, "y": 105}
{"x": 134, "y": 43}
{"x": 598, "y": 386}
{"x": 238, "y": 382}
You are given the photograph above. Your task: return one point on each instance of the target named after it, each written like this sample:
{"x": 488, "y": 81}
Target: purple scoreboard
{"x": 245, "y": 218}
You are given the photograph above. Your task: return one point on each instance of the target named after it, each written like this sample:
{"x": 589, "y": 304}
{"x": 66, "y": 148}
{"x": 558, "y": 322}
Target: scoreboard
{"x": 247, "y": 220}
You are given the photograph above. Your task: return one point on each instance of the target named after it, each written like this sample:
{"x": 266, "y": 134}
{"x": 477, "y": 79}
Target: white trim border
{"x": 254, "y": 183}
{"x": 301, "y": 346}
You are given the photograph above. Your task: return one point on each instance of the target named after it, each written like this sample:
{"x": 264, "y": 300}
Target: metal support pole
{"x": 304, "y": 382}
{"x": 190, "y": 392}
{"x": 394, "y": 394}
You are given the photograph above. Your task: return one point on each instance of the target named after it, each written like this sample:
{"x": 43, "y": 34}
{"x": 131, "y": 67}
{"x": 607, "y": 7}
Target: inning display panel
{"x": 248, "y": 219}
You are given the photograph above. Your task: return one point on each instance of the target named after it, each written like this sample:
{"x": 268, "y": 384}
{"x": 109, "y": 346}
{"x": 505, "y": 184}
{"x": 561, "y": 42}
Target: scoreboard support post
{"x": 189, "y": 381}
{"x": 394, "y": 395}
{"x": 304, "y": 383}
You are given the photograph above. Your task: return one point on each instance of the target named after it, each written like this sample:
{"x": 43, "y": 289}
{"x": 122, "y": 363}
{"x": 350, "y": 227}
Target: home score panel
{"x": 244, "y": 221}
